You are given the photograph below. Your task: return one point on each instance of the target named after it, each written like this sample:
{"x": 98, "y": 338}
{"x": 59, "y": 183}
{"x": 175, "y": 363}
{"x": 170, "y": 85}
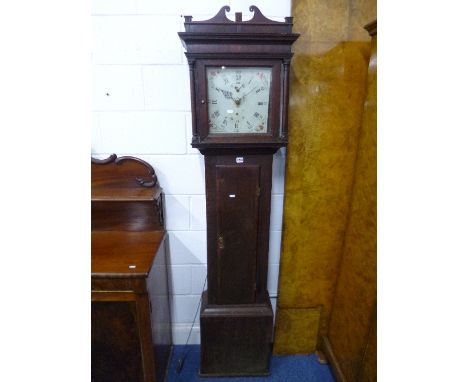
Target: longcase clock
{"x": 239, "y": 77}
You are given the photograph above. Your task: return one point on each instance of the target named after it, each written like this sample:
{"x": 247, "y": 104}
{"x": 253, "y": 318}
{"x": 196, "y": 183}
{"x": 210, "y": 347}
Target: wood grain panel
{"x": 352, "y": 321}
{"x": 116, "y": 353}
{"x": 124, "y": 252}
{"x": 237, "y": 339}
{"x": 126, "y": 215}
{"x": 250, "y": 237}
{"x": 237, "y": 229}
{"x": 328, "y": 89}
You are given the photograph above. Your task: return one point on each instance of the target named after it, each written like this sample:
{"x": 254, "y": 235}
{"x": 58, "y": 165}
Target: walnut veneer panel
{"x": 328, "y": 80}
{"x": 352, "y": 317}
{"x": 300, "y": 324}
{"x": 318, "y": 20}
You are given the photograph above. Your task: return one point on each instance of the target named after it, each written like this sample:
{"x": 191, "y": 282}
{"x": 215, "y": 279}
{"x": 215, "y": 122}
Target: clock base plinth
{"x": 235, "y": 339}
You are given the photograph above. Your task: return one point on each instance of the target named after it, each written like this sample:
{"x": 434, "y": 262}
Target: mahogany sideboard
{"x": 130, "y": 315}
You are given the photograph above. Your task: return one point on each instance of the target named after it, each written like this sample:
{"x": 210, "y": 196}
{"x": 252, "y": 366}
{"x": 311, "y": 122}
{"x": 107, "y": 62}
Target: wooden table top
{"x": 124, "y": 253}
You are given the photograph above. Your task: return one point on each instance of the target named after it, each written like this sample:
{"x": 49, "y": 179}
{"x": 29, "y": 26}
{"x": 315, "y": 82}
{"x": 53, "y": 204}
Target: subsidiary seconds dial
{"x": 238, "y": 99}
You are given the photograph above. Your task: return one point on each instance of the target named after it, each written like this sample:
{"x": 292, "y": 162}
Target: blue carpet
{"x": 297, "y": 368}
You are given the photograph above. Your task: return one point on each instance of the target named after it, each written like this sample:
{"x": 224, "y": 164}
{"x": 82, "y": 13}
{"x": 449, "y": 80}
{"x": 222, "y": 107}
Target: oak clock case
{"x": 239, "y": 77}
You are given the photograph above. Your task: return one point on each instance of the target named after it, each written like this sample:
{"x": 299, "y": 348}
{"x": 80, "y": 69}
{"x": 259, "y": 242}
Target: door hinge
{"x": 258, "y": 192}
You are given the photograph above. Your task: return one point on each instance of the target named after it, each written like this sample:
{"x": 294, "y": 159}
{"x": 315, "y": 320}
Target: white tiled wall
{"x": 141, "y": 107}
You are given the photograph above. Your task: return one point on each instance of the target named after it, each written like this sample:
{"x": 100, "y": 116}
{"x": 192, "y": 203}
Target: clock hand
{"x": 250, "y": 91}
{"x": 227, "y": 94}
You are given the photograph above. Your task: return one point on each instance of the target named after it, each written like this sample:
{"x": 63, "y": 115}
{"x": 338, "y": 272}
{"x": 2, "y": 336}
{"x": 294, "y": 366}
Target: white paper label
{"x": 240, "y": 160}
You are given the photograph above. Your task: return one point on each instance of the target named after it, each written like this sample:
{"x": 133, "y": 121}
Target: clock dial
{"x": 238, "y": 99}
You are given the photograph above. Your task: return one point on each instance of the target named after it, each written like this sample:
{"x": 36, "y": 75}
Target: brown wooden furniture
{"x": 239, "y": 75}
{"x": 351, "y": 341}
{"x": 130, "y": 317}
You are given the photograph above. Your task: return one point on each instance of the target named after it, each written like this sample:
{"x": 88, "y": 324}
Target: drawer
{"x": 136, "y": 285}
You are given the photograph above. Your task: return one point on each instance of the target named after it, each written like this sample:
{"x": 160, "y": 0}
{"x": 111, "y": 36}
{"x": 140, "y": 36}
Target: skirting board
{"x": 328, "y": 350}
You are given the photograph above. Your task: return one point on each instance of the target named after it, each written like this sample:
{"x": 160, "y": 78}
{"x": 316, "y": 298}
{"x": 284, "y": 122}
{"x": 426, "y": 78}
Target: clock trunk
{"x": 238, "y": 198}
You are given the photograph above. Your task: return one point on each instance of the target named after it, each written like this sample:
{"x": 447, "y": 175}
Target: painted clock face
{"x": 238, "y": 99}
